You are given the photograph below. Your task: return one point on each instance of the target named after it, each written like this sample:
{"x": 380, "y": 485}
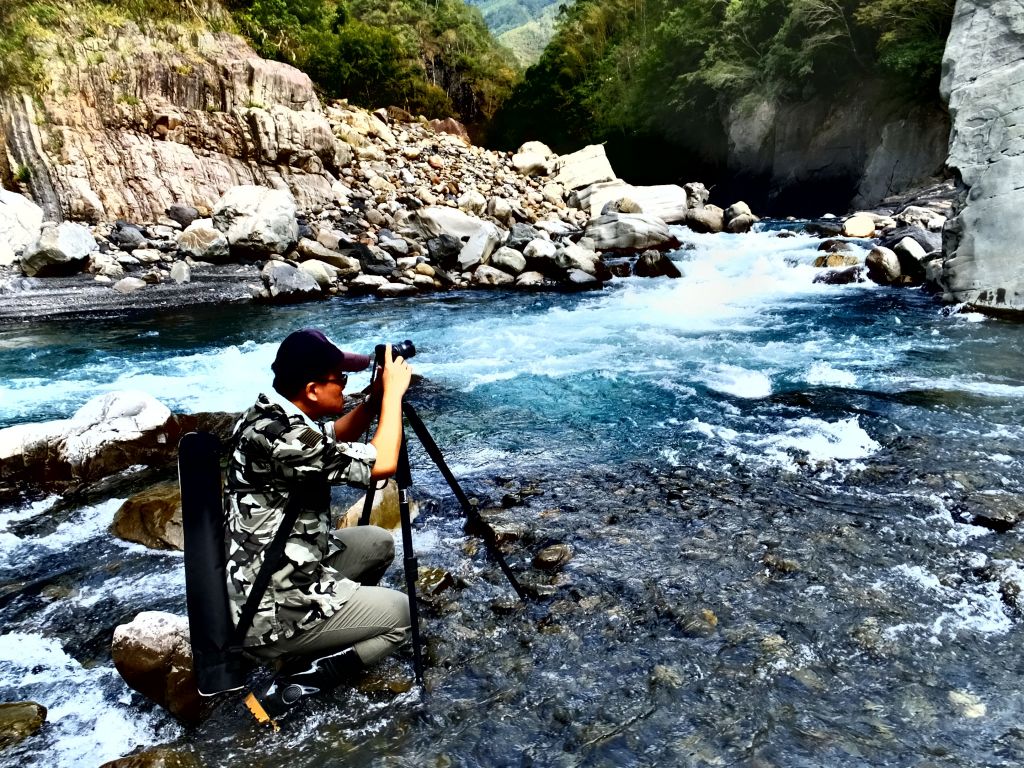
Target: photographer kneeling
{"x": 321, "y": 613}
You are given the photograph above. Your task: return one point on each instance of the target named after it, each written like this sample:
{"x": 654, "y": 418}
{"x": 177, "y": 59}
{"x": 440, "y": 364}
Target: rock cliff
{"x": 131, "y": 120}
{"x": 983, "y": 81}
{"x": 860, "y": 146}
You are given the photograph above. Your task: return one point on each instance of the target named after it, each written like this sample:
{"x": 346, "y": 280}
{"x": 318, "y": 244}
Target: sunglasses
{"x": 341, "y": 380}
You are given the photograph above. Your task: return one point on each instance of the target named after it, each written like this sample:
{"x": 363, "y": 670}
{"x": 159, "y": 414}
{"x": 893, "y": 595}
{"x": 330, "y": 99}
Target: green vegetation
{"x": 666, "y": 70}
{"x": 23, "y": 174}
{"x": 431, "y": 56}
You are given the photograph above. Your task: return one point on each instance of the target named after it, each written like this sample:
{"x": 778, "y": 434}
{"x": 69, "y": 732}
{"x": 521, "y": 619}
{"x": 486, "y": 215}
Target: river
{"x": 772, "y": 490}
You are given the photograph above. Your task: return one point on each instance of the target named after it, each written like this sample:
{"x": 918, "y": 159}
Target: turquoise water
{"x": 768, "y": 395}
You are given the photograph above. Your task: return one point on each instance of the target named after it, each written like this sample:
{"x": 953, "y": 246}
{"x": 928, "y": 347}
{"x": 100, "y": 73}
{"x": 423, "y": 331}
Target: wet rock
{"x": 967, "y": 705}
{"x": 286, "y": 283}
{"x": 152, "y": 518}
{"x": 655, "y": 264}
{"x": 257, "y": 221}
{"x": 696, "y": 194}
{"x": 204, "y": 242}
{"x": 841, "y": 276}
{"x": 708, "y": 218}
{"x": 324, "y": 274}
{"x": 491, "y": 276}
{"x": 158, "y": 757}
{"x": 432, "y": 582}
{"x": 384, "y": 512}
{"x": 19, "y": 720}
{"x": 153, "y": 655}
{"x": 479, "y": 247}
{"x": 741, "y": 223}
{"x": 62, "y": 249}
{"x": 883, "y": 266}
{"x": 107, "y": 434}
{"x": 836, "y": 260}
{"x": 996, "y": 510}
{"x": 390, "y": 290}
{"x": 628, "y": 232}
{"x": 669, "y": 677}
{"x": 859, "y": 226}
{"x": 553, "y": 558}
{"x": 521, "y": 235}
{"x": 377, "y": 261}
{"x": 347, "y": 266}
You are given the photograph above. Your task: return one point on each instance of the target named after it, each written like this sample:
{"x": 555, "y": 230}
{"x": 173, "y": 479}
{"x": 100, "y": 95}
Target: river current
{"x": 773, "y": 490}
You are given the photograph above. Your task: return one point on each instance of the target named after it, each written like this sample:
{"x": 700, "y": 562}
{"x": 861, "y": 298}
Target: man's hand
{"x": 396, "y": 376}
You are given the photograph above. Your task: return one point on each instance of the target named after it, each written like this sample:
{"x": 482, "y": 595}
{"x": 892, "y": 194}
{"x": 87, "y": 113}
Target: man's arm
{"x": 388, "y": 438}
{"x": 349, "y": 427}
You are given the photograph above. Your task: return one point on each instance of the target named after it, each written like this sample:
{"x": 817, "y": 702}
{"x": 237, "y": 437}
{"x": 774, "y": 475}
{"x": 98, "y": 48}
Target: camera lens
{"x": 405, "y": 349}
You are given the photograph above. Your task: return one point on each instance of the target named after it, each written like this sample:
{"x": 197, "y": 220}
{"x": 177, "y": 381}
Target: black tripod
{"x": 403, "y": 477}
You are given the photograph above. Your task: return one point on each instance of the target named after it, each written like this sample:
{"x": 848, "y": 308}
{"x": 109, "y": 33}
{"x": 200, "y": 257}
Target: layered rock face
{"x": 134, "y": 120}
{"x": 983, "y": 81}
{"x": 865, "y": 145}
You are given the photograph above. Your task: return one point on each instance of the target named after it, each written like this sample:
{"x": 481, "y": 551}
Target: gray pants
{"x": 374, "y": 621}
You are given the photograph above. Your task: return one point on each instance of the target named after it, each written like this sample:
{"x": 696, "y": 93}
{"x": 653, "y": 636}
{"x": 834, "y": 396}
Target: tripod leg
{"x": 404, "y": 478}
{"x": 490, "y": 540}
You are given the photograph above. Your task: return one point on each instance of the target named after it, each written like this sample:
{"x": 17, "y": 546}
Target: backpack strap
{"x": 271, "y": 562}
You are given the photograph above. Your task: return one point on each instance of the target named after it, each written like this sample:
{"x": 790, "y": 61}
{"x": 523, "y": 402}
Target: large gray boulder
{"x": 21, "y": 222}
{"x": 666, "y": 201}
{"x": 583, "y": 168}
{"x": 435, "y": 221}
{"x": 204, "y": 242}
{"x": 257, "y": 221}
{"x": 479, "y": 247}
{"x": 61, "y": 249}
{"x": 628, "y": 232}
{"x": 983, "y": 83}
{"x": 285, "y": 283}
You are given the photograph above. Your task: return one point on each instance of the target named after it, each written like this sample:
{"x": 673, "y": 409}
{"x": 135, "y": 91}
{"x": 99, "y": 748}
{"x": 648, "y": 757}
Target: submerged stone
{"x": 19, "y": 720}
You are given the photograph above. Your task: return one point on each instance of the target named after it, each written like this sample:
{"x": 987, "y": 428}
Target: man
{"x": 321, "y": 610}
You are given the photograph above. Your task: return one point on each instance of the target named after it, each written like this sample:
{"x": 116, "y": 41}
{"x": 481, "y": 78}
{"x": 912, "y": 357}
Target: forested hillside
{"x": 657, "y": 77}
{"x": 523, "y": 26}
{"x": 436, "y": 58}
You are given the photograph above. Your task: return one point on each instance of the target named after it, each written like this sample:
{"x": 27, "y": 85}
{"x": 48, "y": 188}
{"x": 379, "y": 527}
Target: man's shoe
{"x": 299, "y": 679}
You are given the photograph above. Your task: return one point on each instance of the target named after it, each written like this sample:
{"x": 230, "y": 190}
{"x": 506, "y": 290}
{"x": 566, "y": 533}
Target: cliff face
{"x": 131, "y": 120}
{"x": 983, "y": 80}
{"x": 863, "y": 145}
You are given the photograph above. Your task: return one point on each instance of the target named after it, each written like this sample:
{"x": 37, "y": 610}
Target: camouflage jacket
{"x": 274, "y": 448}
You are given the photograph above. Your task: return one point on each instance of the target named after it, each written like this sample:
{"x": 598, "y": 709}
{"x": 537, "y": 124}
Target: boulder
{"x": 501, "y": 209}
{"x": 737, "y": 209}
{"x": 667, "y": 202}
{"x": 384, "y": 512}
{"x": 983, "y": 84}
{"x": 21, "y": 222}
{"x": 105, "y": 264}
{"x": 533, "y": 281}
{"x": 128, "y": 285}
{"x": 390, "y": 290}
{"x": 919, "y": 216}
{"x": 841, "y": 276}
{"x": 553, "y": 558}
{"x": 472, "y": 202}
{"x": 540, "y": 254}
{"x": 376, "y": 261}
{"x": 696, "y": 194}
{"x": 127, "y": 236}
{"x": 655, "y": 264}
{"x": 286, "y": 283}
{"x": 834, "y": 260}
{"x": 508, "y": 260}
{"x": 883, "y": 266}
{"x": 530, "y": 163}
{"x": 203, "y": 242}
{"x": 572, "y": 256}
{"x": 181, "y": 272}
{"x": 153, "y": 655}
{"x": 183, "y": 214}
{"x": 152, "y": 518}
{"x": 488, "y": 275}
{"x": 257, "y": 221}
{"x": 709, "y": 218}
{"x": 444, "y": 250}
{"x": 929, "y": 241}
{"x": 580, "y": 169}
{"x": 520, "y": 236}
{"x": 579, "y": 280}
{"x": 434, "y": 221}
{"x": 741, "y": 223}
{"x": 109, "y": 433}
{"x": 324, "y": 274}
{"x": 19, "y": 720}
{"x": 628, "y": 232}
{"x": 860, "y": 225}
{"x": 366, "y": 284}
{"x": 61, "y": 249}
{"x": 479, "y": 247}
{"x": 346, "y": 266}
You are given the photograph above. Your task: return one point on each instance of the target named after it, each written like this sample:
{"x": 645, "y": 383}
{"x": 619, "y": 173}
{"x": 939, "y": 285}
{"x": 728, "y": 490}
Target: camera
{"x": 404, "y": 349}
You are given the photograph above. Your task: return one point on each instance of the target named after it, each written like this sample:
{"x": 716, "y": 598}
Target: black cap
{"x": 308, "y": 355}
